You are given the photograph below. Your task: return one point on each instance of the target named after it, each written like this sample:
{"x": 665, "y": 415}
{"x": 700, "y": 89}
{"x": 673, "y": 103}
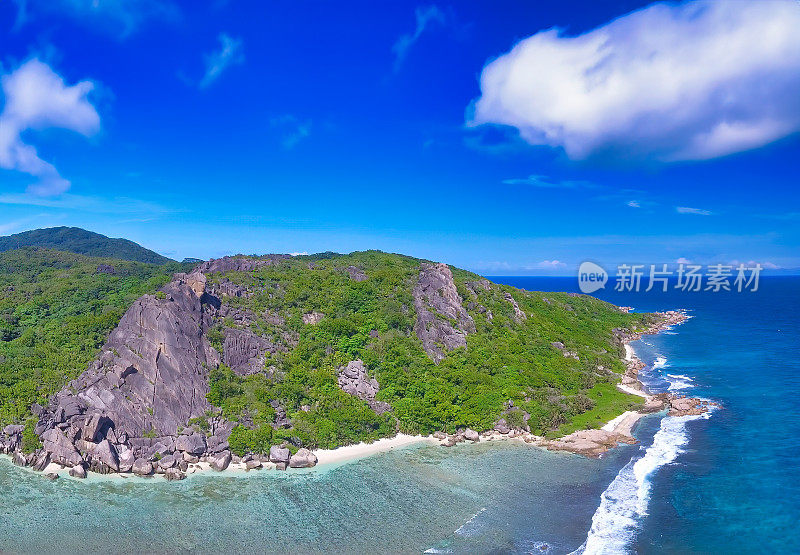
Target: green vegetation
{"x": 373, "y": 320}
{"x": 56, "y": 311}
{"x": 80, "y": 241}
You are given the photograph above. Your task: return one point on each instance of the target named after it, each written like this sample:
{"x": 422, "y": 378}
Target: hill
{"x": 80, "y": 241}
{"x": 309, "y": 351}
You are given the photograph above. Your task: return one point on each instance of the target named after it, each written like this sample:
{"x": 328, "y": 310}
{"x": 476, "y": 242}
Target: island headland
{"x": 283, "y": 362}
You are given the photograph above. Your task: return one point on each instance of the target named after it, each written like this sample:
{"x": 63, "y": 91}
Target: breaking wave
{"x": 625, "y": 501}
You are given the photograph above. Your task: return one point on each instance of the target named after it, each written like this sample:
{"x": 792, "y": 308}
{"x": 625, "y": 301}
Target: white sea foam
{"x": 625, "y": 501}
{"x": 661, "y": 362}
{"x": 470, "y": 527}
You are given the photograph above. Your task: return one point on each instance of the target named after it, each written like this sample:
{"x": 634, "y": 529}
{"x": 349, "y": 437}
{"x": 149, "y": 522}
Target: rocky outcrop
{"x": 152, "y": 375}
{"x": 442, "y": 322}
{"x": 688, "y": 406}
{"x": 519, "y": 316}
{"x": 244, "y": 351}
{"x": 353, "y": 379}
{"x": 312, "y": 317}
{"x": 356, "y": 274}
{"x": 240, "y": 263}
{"x": 61, "y": 449}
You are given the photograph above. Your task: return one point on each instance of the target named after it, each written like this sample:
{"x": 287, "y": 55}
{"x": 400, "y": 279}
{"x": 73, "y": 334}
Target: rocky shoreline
{"x": 80, "y": 442}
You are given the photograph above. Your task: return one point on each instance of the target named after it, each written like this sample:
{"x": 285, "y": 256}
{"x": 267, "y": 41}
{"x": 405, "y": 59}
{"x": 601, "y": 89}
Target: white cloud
{"x": 633, "y": 204}
{"x": 229, "y": 53}
{"x": 304, "y": 253}
{"x": 547, "y": 265}
{"x": 37, "y": 98}
{"x": 425, "y": 17}
{"x": 669, "y": 82}
{"x": 548, "y": 183}
{"x": 683, "y": 260}
{"x": 695, "y": 211}
{"x": 118, "y": 17}
{"x": 295, "y": 129}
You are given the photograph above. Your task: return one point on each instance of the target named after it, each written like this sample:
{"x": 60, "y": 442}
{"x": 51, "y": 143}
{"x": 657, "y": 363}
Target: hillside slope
{"x": 244, "y": 354}
{"x": 80, "y": 241}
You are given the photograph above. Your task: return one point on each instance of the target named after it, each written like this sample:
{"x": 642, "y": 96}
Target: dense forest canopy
{"x": 553, "y": 370}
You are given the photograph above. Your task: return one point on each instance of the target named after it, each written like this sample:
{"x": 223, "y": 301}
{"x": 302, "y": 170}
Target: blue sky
{"x": 620, "y": 132}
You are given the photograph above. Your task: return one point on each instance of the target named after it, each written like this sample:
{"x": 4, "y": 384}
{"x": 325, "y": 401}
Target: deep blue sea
{"x": 729, "y": 483}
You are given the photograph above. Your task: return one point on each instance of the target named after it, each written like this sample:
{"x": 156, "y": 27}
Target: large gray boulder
{"x": 220, "y": 461}
{"x": 471, "y": 435}
{"x": 142, "y": 467}
{"x": 61, "y": 449}
{"x": 279, "y": 455}
{"x": 303, "y": 459}
{"x": 194, "y": 444}
{"x": 105, "y": 458}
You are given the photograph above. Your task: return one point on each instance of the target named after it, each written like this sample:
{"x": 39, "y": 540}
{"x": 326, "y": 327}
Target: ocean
{"x": 726, "y": 483}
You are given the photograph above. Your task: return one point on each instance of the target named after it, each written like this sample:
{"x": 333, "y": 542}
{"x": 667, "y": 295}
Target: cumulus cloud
{"x": 426, "y": 17}
{"x": 690, "y": 210}
{"x": 669, "y": 82}
{"x": 37, "y": 98}
{"x": 229, "y": 53}
{"x": 120, "y": 17}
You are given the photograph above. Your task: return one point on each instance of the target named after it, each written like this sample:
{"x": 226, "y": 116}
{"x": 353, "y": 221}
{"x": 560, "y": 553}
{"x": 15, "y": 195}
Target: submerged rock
{"x": 78, "y": 471}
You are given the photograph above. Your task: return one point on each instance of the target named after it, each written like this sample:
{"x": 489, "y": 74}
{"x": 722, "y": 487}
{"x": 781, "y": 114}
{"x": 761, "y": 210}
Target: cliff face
{"x": 152, "y": 375}
{"x": 442, "y": 322}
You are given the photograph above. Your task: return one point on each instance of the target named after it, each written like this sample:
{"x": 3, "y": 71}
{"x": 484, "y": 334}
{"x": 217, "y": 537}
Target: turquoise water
{"x": 408, "y": 500}
{"x": 729, "y": 483}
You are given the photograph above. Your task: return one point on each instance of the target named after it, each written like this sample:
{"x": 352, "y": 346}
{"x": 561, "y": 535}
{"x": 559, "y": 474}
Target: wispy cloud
{"x": 294, "y": 129}
{"x": 92, "y": 204}
{"x": 547, "y": 265}
{"x": 229, "y": 53}
{"x": 426, "y": 17}
{"x": 695, "y": 211}
{"x": 38, "y": 98}
{"x": 549, "y": 183}
{"x": 633, "y": 204}
{"x": 115, "y": 17}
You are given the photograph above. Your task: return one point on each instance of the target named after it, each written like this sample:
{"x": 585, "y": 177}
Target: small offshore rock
{"x": 174, "y": 474}
{"x": 78, "y": 471}
{"x": 52, "y": 476}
